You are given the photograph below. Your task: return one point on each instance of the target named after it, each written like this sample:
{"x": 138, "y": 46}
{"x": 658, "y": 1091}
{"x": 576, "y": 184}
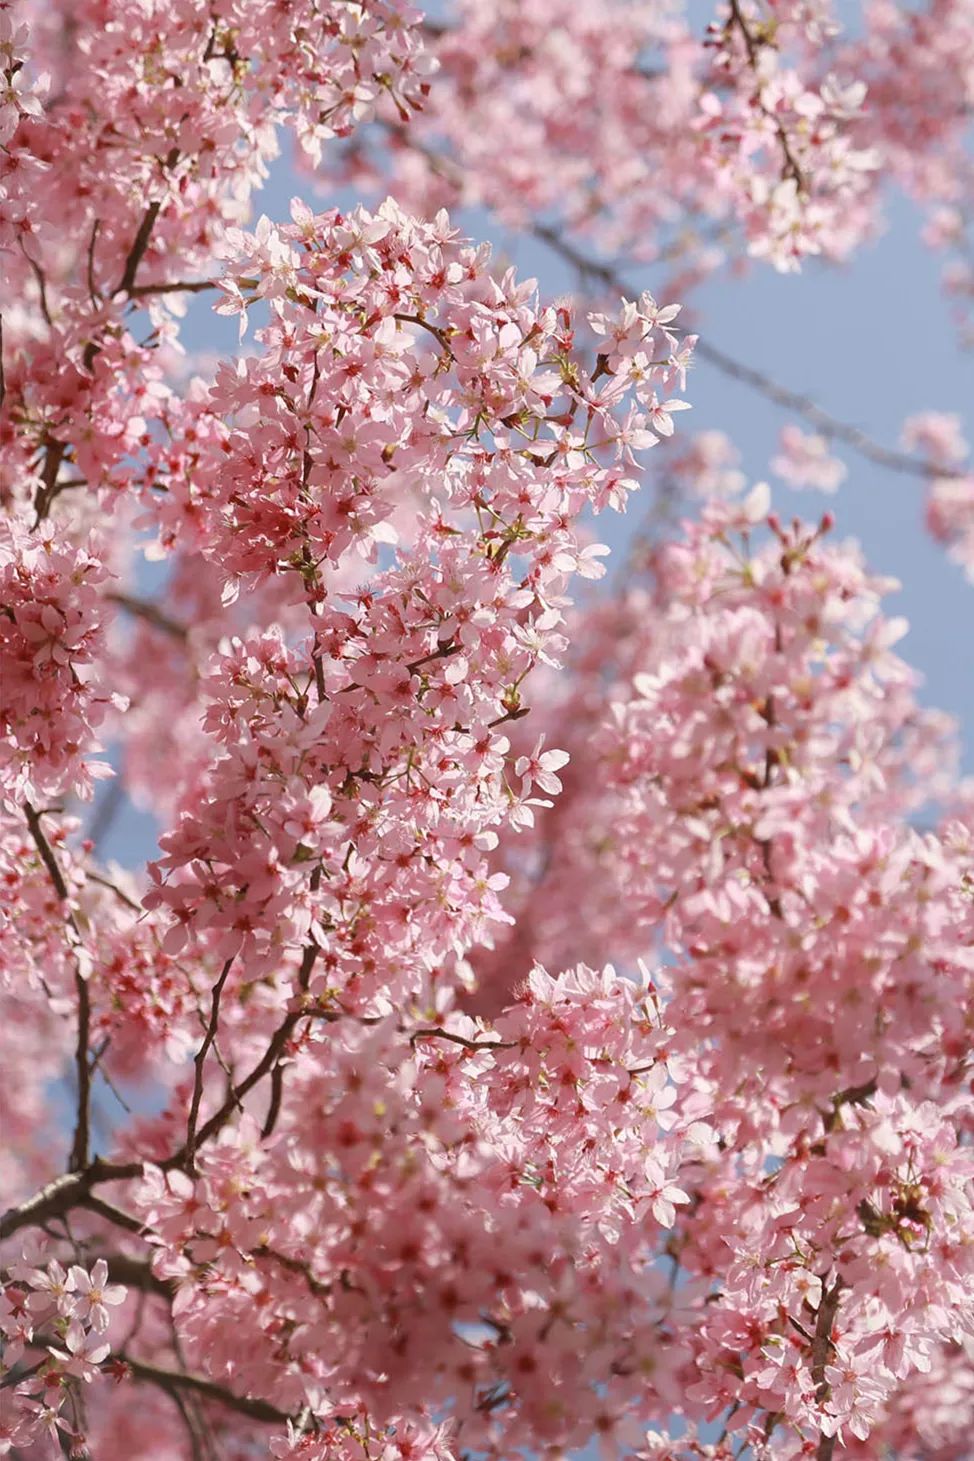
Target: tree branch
{"x": 263, "y": 1067}
{"x": 136, "y": 1273}
{"x": 151, "y": 613}
{"x": 72, "y": 1189}
{"x": 802, "y": 405}
{"x": 438, "y": 1033}
{"x": 64, "y": 1194}
{"x": 822, "y": 1347}
{"x": 175, "y": 1382}
{"x": 200, "y": 1063}
{"x": 113, "y": 1214}
{"x": 827, "y": 425}
{"x": 82, "y": 1134}
{"x": 177, "y": 286}
{"x": 54, "y": 454}
{"x": 141, "y": 241}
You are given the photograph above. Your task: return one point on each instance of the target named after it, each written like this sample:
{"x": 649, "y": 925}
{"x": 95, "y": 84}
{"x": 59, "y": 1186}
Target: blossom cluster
{"x": 61, "y": 1316}
{"x": 416, "y": 409}
{"x": 484, "y": 1198}
{"x": 51, "y": 631}
{"x": 614, "y": 119}
{"x": 340, "y": 1098}
{"x": 745, "y": 797}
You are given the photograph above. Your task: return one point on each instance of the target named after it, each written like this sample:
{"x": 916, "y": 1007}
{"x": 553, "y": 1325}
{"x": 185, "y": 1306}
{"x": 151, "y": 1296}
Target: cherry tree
{"x": 546, "y": 1018}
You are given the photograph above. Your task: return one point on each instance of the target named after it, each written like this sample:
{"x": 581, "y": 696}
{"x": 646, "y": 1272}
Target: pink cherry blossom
{"x": 544, "y": 1017}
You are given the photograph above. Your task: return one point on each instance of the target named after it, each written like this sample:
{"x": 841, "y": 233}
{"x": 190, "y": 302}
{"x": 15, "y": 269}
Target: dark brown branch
{"x": 176, "y": 286}
{"x": 113, "y": 1214}
{"x": 82, "y": 1133}
{"x": 191, "y": 1422}
{"x": 71, "y": 1190}
{"x": 438, "y": 1033}
{"x": 294, "y": 1265}
{"x": 136, "y": 1273}
{"x": 518, "y": 714}
{"x": 111, "y": 887}
{"x": 851, "y": 1096}
{"x": 822, "y": 1343}
{"x": 176, "y": 1382}
{"x": 141, "y": 241}
{"x": 200, "y": 1063}
{"x": 64, "y": 1194}
{"x": 54, "y": 454}
{"x": 93, "y": 294}
{"x": 822, "y": 1347}
{"x": 826, "y": 1445}
{"x": 263, "y": 1067}
{"x": 752, "y": 45}
{"x": 438, "y": 334}
{"x": 444, "y": 651}
{"x": 274, "y": 1105}
{"x": 151, "y": 613}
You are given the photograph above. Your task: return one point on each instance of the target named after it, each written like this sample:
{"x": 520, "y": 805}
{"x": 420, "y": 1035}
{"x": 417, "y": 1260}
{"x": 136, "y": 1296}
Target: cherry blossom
{"x": 544, "y": 1018}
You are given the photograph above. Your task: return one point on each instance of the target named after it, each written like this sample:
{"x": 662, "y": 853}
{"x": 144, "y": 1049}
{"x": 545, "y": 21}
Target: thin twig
{"x": 151, "y": 613}
{"x": 438, "y": 1033}
{"x": 114, "y": 888}
{"x": 263, "y": 1067}
{"x": 802, "y": 405}
{"x": 79, "y": 1147}
{"x": 38, "y": 273}
{"x": 752, "y": 45}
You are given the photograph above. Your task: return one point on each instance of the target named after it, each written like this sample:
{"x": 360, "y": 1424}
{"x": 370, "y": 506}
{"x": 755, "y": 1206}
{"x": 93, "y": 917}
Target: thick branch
{"x": 175, "y": 1382}
{"x": 141, "y": 241}
{"x": 113, "y": 1214}
{"x": 136, "y": 1273}
{"x": 63, "y": 1194}
{"x": 822, "y": 1347}
{"x": 176, "y": 286}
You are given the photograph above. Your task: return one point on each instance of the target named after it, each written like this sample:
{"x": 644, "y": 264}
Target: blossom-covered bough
{"x": 542, "y": 1022}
